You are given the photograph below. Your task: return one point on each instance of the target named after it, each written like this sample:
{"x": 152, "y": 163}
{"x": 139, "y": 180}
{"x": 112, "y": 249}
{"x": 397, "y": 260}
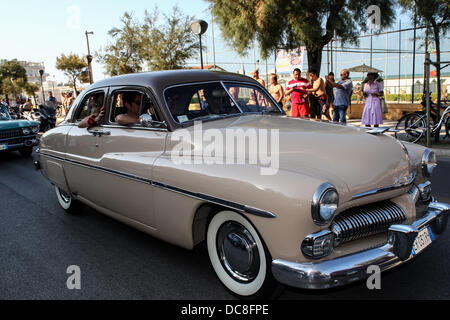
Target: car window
{"x": 91, "y": 104}
{"x": 118, "y": 107}
{"x": 251, "y": 98}
{"x": 191, "y": 102}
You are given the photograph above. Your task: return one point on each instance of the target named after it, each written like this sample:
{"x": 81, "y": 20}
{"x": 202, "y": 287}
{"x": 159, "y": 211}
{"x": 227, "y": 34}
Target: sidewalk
{"x": 442, "y": 149}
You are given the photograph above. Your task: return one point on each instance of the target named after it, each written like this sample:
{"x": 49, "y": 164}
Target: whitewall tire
{"x": 66, "y": 202}
{"x": 238, "y": 255}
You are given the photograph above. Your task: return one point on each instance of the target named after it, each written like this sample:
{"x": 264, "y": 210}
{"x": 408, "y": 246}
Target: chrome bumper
{"x": 353, "y": 267}
{"x": 31, "y": 142}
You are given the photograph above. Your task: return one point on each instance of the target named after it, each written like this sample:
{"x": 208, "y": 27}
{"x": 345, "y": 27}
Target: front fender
{"x": 287, "y": 195}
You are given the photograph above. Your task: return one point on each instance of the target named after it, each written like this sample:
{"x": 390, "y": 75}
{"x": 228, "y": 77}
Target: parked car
{"x": 18, "y": 135}
{"x": 332, "y": 201}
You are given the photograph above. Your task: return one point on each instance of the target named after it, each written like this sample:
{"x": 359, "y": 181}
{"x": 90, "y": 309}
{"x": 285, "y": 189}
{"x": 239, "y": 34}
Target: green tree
{"x": 161, "y": 44}
{"x": 73, "y": 67}
{"x": 12, "y": 78}
{"x": 31, "y": 89}
{"x": 168, "y": 45}
{"x": 123, "y": 54}
{"x": 435, "y": 14}
{"x": 288, "y": 24}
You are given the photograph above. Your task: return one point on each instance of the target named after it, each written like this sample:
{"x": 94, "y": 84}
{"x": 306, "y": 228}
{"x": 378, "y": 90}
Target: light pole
{"x": 199, "y": 27}
{"x": 41, "y": 73}
{"x": 89, "y": 57}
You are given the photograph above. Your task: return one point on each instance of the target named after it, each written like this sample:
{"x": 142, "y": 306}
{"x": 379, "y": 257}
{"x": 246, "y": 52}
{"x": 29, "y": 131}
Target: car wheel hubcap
{"x": 238, "y": 252}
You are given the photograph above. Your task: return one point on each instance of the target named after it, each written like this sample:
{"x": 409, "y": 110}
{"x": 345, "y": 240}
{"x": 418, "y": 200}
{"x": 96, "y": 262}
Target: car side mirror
{"x": 147, "y": 121}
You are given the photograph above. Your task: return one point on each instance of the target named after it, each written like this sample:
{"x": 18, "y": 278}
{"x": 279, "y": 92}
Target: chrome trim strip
{"x": 353, "y": 267}
{"x": 199, "y": 196}
{"x": 114, "y": 172}
{"x": 225, "y": 203}
{"x": 397, "y": 185}
{"x": 112, "y": 126}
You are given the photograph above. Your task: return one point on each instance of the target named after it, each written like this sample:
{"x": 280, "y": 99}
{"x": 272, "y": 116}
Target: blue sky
{"x": 42, "y": 30}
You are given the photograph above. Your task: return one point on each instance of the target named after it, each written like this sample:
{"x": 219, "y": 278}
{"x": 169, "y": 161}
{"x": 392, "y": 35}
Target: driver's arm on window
{"x": 93, "y": 120}
{"x": 125, "y": 119}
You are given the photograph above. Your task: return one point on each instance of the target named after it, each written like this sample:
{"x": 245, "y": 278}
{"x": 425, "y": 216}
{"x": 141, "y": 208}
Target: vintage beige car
{"x": 333, "y": 201}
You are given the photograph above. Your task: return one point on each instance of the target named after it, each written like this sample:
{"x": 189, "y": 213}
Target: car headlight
{"x": 428, "y": 163}
{"x": 324, "y": 204}
{"x": 35, "y": 129}
{"x": 26, "y": 131}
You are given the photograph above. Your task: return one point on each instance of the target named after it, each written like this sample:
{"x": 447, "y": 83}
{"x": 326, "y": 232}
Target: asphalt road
{"x": 38, "y": 242}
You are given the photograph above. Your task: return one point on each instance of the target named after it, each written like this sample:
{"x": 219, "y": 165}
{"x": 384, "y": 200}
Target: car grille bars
{"x": 364, "y": 221}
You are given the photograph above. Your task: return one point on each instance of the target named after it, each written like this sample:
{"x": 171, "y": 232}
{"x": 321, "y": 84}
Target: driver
{"x": 131, "y": 101}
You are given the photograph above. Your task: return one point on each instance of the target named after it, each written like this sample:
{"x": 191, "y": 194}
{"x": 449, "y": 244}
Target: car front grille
{"x": 10, "y": 134}
{"x": 364, "y": 221}
{"x": 14, "y": 141}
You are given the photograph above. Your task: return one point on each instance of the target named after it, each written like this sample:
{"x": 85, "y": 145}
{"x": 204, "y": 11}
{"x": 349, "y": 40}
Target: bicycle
{"x": 413, "y": 126}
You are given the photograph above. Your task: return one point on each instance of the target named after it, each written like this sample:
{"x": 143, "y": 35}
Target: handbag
{"x": 384, "y": 107}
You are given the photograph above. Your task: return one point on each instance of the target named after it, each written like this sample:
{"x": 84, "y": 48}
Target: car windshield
{"x": 209, "y": 101}
{"x": 252, "y": 99}
{"x": 4, "y": 115}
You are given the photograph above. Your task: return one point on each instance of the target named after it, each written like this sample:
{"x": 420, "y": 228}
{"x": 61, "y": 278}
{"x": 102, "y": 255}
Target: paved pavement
{"x": 38, "y": 242}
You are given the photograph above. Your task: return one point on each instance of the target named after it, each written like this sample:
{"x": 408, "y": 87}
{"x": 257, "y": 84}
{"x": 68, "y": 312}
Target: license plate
{"x": 3, "y": 147}
{"x": 423, "y": 240}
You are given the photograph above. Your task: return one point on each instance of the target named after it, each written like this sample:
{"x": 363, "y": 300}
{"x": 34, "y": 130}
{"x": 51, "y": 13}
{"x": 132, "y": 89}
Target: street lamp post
{"x": 89, "y": 57}
{"x": 41, "y": 73}
{"x": 199, "y": 27}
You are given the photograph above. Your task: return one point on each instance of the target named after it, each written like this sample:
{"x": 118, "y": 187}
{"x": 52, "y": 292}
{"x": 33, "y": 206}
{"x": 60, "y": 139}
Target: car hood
{"x": 15, "y": 124}
{"x": 345, "y": 156}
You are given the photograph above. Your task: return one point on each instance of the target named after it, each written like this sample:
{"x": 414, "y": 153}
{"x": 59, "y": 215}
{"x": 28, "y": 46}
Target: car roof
{"x": 159, "y": 80}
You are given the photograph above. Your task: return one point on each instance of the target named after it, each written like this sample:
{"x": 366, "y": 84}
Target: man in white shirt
{"x": 343, "y": 96}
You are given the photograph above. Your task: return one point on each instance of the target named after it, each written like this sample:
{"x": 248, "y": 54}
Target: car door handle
{"x": 99, "y": 133}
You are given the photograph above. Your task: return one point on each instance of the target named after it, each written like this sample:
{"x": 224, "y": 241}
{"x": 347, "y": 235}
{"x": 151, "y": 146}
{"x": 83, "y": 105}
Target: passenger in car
{"x": 213, "y": 100}
{"x": 131, "y": 101}
{"x": 97, "y": 112}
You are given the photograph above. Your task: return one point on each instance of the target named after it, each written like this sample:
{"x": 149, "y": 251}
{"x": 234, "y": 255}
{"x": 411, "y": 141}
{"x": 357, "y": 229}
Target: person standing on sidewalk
{"x": 373, "y": 91}
{"x": 255, "y": 75}
{"x": 330, "y": 91}
{"x": 343, "y": 96}
{"x": 296, "y": 89}
{"x": 276, "y": 90}
{"x": 319, "y": 98}
{"x": 51, "y": 101}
